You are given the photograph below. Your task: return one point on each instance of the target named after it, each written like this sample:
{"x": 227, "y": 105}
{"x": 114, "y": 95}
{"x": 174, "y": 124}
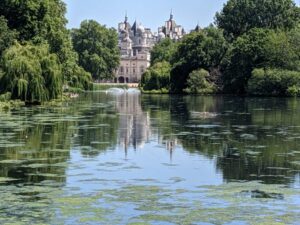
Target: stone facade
{"x": 171, "y": 30}
{"x": 135, "y": 44}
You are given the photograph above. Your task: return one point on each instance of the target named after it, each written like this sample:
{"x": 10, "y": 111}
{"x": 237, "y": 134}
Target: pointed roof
{"x": 197, "y": 28}
{"x": 134, "y": 28}
{"x": 171, "y": 15}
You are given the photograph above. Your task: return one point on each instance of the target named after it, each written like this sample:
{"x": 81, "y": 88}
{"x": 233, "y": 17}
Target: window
{"x": 127, "y": 70}
{"x": 133, "y": 70}
{"x": 142, "y": 69}
{"x": 122, "y": 69}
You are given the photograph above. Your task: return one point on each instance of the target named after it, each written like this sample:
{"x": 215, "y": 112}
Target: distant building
{"x": 171, "y": 30}
{"x": 135, "y": 44}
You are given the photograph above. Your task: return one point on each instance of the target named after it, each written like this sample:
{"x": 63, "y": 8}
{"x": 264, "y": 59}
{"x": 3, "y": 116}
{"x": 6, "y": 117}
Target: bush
{"x": 5, "y": 97}
{"x": 197, "y": 83}
{"x": 157, "y": 77}
{"x": 274, "y": 82}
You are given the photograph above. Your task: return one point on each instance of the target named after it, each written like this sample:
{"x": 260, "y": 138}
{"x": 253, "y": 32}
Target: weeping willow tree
{"x": 31, "y": 73}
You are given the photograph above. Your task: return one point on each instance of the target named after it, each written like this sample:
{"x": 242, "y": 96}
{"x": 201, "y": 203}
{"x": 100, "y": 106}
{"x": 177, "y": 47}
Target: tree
{"x": 247, "y": 52}
{"x": 163, "y": 51}
{"x": 259, "y": 48}
{"x": 157, "y": 77}
{"x": 31, "y": 73}
{"x": 205, "y": 49}
{"x": 44, "y": 23}
{"x": 239, "y": 16}
{"x": 97, "y": 47}
{"x": 198, "y": 83}
{"x": 7, "y": 36}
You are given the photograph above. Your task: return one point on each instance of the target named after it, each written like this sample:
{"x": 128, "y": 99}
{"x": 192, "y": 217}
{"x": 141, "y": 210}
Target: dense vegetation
{"x": 249, "y": 37}
{"x": 37, "y": 58}
{"x": 97, "y": 48}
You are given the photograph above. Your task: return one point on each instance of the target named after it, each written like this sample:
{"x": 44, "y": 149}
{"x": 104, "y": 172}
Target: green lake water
{"x": 135, "y": 159}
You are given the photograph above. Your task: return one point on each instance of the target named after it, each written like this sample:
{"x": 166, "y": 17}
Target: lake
{"x": 115, "y": 158}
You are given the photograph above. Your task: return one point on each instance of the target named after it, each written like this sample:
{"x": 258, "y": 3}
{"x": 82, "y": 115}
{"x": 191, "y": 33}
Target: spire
{"x": 171, "y": 14}
{"x": 198, "y": 28}
{"x": 126, "y": 17}
{"x": 126, "y": 20}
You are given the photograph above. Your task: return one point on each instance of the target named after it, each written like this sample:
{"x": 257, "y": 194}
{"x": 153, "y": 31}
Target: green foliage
{"x": 163, "y": 51}
{"x": 274, "y": 82}
{"x": 7, "y": 36}
{"x": 31, "y": 73}
{"x": 5, "y": 97}
{"x": 239, "y": 16}
{"x": 205, "y": 49}
{"x": 259, "y": 48}
{"x": 42, "y": 23}
{"x": 198, "y": 83}
{"x": 157, "y": 77}
{"x": 97, "y": 48}
{"x": 246, "y": 53}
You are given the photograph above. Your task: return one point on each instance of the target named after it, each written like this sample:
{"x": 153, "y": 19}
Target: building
{"x": 135, "y": 44}
{"x": 171, "y": 30}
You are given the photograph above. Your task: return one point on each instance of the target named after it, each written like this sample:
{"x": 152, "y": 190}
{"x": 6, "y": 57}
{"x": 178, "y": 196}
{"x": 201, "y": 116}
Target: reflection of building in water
{"x": 134, "y": 124}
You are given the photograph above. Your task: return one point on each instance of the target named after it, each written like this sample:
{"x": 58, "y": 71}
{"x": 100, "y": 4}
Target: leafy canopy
{"x": 239, "y": 16}
{"x": 97, "y": 47}
{"x": 31, "y": 73}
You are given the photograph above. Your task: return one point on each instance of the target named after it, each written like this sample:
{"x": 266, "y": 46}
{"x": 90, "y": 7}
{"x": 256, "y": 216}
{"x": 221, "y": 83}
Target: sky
{"x": 151, "y": 13}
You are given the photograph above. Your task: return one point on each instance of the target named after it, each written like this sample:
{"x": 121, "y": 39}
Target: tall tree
{"x": 97, "y": 47}
{"x": 7, "y": 36}
{"x": 163, "y": 51}
{"x": 239, "y": 16}
{"x": 205, "y": 49}
{"x": 44, "y": 22}
{"x": 31, "y": 73}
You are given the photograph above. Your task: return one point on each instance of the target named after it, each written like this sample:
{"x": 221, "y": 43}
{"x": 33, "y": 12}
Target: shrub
{"x": 274, "y": 82}
{"x": 157, "y": 77}
{"x": 198, "y": 83}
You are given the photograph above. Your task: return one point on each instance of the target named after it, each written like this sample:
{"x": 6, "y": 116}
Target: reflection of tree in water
{"x": 248, "y": 137}
{"x": 37, "y": 150}
{"x": 97, "y": 131}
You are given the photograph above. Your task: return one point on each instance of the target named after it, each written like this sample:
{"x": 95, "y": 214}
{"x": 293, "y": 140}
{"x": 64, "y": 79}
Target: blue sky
{"x": 151, "y": 13}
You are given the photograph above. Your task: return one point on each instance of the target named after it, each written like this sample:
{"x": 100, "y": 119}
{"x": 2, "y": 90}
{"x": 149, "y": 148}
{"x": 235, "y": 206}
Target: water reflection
{"x": 103, "y": 142}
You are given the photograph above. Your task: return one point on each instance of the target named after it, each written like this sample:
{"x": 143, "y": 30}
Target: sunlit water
{"x": 123, "y": 158}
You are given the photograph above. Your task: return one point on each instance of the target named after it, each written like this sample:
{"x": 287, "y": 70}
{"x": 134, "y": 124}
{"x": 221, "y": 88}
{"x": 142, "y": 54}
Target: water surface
{"x": 124, "y": 158}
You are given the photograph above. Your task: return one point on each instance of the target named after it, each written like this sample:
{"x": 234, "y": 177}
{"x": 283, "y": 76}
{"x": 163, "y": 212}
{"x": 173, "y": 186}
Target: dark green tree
{"x": 205, "y": 49}
{"x": 157, "y": 77}
{"x": 259, "y": 48}
{"x": 7, "y": 36}
{"x": 239, "y": 16}
{"x": 44, "y": 22}
{"x": 163, "y": 51}
{"x": 97, "y": 47}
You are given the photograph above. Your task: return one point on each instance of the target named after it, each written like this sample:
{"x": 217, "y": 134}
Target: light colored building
{"x": 171, "y": 30}
{"x": 135, "y": 44}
